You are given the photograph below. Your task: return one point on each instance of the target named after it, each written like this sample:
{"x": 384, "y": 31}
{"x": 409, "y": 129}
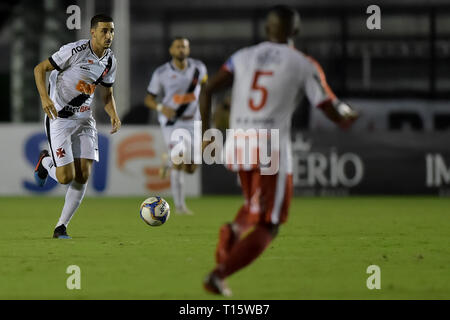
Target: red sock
{"x": 245, "y": 251}
{"x": 229, "y": 237}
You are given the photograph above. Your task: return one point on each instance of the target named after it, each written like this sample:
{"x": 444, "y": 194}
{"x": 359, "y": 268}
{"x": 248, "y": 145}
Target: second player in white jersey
{"x": 178, "y": 87}
{"x": 174, "y": 91}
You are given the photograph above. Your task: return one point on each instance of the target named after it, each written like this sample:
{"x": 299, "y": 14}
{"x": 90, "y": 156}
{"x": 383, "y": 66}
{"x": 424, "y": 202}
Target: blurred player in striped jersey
{"x": 173, "y": 91}
{"x": 268, "y": 81}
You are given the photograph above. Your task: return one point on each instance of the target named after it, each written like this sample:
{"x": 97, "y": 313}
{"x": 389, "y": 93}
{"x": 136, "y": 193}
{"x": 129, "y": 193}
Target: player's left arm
{"x": 110, "y": 108}
{"x": 334, "y": 109}
{"x": 222, "y": 79}
{"x": 339, "y": 112}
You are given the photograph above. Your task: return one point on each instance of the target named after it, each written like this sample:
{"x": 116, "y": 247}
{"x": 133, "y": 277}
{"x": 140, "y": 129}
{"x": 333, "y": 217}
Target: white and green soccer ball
{"x": 155, "y": 211}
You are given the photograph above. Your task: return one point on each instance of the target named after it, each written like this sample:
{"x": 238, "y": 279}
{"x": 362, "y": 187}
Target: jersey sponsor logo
{"x": 60, "y": 153}
{"x": 79, "y": 48}
{"x": 184, "y": 98}
{"x": 86, "y": 88}
{"x": 69, "y": 111}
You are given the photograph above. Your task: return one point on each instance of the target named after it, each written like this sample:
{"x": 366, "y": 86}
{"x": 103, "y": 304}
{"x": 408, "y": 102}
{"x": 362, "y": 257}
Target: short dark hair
{"x": 100, "y": 18}
{"x": 288, "y": 16}
{"x": 178, "y": 38}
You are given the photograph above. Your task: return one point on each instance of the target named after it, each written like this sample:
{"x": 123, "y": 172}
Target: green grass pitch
{"x": 322, "y": 252}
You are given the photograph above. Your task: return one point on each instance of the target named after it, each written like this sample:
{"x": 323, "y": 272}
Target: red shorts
{"x": 267, "y": 197}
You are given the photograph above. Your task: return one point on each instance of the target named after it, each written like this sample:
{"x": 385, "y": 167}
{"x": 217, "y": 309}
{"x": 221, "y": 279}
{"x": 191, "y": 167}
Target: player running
{"x": 173, "y": 91}
{"x": 76, "y": 71}
{"x": 269, "y": 80}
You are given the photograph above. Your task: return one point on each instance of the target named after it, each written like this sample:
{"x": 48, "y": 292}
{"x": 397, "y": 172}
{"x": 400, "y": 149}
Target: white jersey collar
{"x": 93, "y": 53}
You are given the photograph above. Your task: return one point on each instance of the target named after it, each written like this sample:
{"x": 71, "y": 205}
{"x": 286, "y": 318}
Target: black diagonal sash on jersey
{"x": 67, "y": 111}
{"x": 182, "y": 108}
{"x": 105, "y": 72}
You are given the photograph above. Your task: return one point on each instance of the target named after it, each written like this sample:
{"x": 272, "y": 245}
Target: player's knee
{"x": 189, "y": 168}
{"x": 65, "y": 177}
{"x": 82, "y": 177}
{"x": 177, "y": 166}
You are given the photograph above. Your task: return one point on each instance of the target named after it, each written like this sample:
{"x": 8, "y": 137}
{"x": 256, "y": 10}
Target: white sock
{"x": 181, "y": 186}
{"x": 74, "y": 196}
{"x": 177, "y": 187}
{"x": 48, "y": 164}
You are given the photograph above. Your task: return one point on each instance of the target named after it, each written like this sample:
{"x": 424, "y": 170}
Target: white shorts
{"x": 71, "y": 138}
{"x": 175, "y": 140}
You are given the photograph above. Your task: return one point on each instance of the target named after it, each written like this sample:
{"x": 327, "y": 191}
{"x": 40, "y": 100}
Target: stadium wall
{"x": 325, "y": 163}
{"x": 359, "y": 163}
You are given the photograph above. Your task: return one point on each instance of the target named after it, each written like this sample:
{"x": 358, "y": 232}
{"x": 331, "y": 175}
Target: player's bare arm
{"x": 336, "y": 110}
{"x": 150, "y": 102}
{"x": 339, "y": 112}
{"x": 219, "y": 81}
{"x": 110, "y": 108}
{"x": 39, "y": 76}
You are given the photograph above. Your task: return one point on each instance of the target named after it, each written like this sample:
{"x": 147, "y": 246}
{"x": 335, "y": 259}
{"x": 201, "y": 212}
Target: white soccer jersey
{"x": 270, "y": 80}
{"x": 78, "y": 71}
{"x": 179, "y": 87}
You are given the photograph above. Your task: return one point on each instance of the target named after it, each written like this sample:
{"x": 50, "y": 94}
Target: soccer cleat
{"x": 215, "y": 285}
{"x": 61, "y": 233}
{"x": 227, "y": 238}
{"x": 40, "y": 173}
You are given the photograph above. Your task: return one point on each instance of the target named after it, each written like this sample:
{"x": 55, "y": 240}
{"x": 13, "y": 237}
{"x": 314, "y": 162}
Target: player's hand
{"x": 348, "y": 120}
{"x": 116, "y": 124}
{"x": 49, "y": 108}
{"x": 168, "y": 112}
{"x": 348, "y": 115}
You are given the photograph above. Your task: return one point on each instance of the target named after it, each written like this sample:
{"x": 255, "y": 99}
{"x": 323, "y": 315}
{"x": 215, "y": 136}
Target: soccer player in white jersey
{"x": 173, "y": 91}
{"x": 77, "y": 69}
{"x": 268, "y": 79}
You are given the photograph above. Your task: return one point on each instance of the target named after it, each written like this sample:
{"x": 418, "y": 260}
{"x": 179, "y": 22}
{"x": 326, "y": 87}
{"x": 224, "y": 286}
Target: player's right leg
{"x": 271, "y": 203}
{"x": 59, "y": 161}
{"x": 74, "y": 195}
{"x": 165, "y": 165}
{"x": 85, "y": 150}
{"x": 177, "y": 187}
{"x": 176, "y": 171}
{"x": 231, "y": 232}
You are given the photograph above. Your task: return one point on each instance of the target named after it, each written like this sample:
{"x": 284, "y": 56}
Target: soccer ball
{"x": 154, "y": 211}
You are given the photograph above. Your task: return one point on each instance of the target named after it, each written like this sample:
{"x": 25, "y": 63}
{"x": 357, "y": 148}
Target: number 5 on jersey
{"x": 256, "y": 86}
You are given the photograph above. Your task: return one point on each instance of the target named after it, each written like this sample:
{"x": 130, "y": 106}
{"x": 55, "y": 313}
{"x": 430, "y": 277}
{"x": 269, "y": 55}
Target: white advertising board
{"x": 129, "y": 163}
